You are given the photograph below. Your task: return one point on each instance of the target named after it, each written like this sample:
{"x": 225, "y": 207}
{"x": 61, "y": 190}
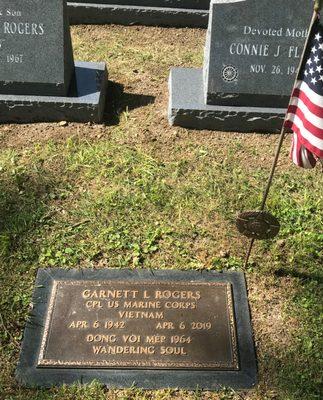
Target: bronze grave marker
{"x": 156, "y": 329}
{"x": 140, "y": 325}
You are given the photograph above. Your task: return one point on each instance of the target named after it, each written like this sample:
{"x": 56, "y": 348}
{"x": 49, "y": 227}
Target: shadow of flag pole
{"x": 261, "y": 224}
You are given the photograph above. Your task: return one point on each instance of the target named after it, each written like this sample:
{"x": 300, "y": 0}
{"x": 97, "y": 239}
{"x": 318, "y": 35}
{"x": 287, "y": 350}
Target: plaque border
{"x": 30, "y": 375}
{"x": 234, "y": 365}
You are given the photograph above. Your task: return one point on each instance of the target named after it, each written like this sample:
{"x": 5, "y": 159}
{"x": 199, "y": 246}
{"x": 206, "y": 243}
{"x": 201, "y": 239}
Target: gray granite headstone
{"x": 253, "y": 50}
{"x": 39, "y": 81}
{"x": 35, "y": 48}
{"x": 252, "y": 53}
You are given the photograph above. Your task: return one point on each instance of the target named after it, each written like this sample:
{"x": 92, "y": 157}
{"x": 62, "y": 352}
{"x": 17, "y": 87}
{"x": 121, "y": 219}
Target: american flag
{"x": 305, "y": 112}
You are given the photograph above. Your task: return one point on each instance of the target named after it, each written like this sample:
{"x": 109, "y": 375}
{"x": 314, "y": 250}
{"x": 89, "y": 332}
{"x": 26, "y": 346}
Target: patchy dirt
{"x": 139, "y": 89}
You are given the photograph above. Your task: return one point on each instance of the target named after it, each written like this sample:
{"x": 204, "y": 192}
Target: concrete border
{"x": 88, "y": 13}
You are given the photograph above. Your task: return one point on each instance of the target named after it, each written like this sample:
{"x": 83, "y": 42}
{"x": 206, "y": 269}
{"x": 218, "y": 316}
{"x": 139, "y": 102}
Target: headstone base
{"x": 86, "y": 104}
{"x": 187, "y": 108}
{"x": 85, "y": 13}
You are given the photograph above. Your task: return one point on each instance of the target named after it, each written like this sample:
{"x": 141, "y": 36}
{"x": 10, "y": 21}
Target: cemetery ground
{"x": 137, "y": 193}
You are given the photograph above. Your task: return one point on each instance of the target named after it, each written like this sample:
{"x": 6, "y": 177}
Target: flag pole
{"x": 317, "y": 7}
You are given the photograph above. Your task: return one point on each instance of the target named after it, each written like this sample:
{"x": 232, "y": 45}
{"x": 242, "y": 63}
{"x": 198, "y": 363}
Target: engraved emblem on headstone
{"x": 229, "y": 73}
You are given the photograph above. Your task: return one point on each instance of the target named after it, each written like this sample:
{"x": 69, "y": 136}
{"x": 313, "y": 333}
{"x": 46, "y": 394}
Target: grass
{"x": 137, "y": 193}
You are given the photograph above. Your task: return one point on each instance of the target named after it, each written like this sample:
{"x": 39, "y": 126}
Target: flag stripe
{"x": 315, "y": 109}
{"x": 315, "y": 98}
{"x": 308, "y": 160}
{"x": 299, "y": 120}
{"x": 300, "y": 155}
{"x": 314, "y": 132}
{"x": 298, "y": 129}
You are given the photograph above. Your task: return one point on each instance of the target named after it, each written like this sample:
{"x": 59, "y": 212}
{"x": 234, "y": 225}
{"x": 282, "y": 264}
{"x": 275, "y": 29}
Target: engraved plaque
{"x": 151, "y": 325}
{"x": 155, "y": 329}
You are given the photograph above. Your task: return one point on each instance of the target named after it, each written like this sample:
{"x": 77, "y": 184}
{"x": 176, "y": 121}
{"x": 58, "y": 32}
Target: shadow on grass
{"x": 25, "y": 194}
{"x": 118, "y": 101}
{"x": 23, "y": 205}
{"x": 304, "y": 276}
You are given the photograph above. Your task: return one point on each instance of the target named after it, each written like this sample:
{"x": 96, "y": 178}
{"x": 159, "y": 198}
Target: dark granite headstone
{"x": 180, "y": 13}
{"x": 252, "y": 53}
{"x": 36, "y": 55}
{"x": 38, "y": 78}
{"x": 153, "y": 328}
{"x": 253, "y": 60}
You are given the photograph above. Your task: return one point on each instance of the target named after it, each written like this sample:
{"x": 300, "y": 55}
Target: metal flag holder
{"x": 262, "y": 224}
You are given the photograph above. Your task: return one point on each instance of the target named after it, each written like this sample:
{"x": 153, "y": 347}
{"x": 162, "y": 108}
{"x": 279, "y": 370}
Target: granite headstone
{"x": 39, "y": 80}
{"x": 36, "y": 51}
{"x": 157, "y": 329}
{"x": 180, "y": 13}
{"x": 252, "y": 53}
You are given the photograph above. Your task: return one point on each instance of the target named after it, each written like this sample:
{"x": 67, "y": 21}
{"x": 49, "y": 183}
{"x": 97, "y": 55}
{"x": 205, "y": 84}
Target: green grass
{"x": 143, "y": 195}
